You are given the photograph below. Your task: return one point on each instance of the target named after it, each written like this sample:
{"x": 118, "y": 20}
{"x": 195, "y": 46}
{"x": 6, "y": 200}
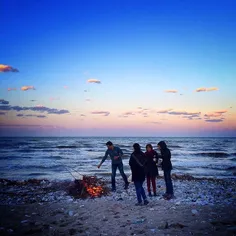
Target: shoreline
{"x": 41, "y": 207}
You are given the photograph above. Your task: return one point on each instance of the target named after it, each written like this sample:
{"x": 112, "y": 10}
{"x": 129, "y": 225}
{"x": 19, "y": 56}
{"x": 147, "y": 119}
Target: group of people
{"x": 143, "y": 166}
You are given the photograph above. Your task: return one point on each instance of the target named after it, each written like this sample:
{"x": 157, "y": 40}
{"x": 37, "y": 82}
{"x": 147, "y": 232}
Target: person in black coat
{"x": 166, "y": 167}
{"x": 151, "y": 168}
{"x": 137, "y": 164}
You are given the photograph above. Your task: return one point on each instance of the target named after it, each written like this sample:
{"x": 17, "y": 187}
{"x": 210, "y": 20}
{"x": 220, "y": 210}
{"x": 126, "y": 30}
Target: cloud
{"x": 6, "y": 68}
{"x": 155, "y": 122}
{"x": 171, "y": 91}
{"x": 206, "y": 89}
{"x": 3, "y": 102}
{"x": 20, "y": 115}
{"x": 164, "y": 111}
{"x": 215, "y": 114}
{"x": 96, "y": 81}
{"x": 104, "y": 113}
{"x": 33, "y": 100}
{"x": 2, "y": 113}
{"x": 11, "y": 89}
{"x": 41, "y": 116}
{"x": 129, "y": 113}
{"x": 88, "y": 100}
{"x": 25, "y": 88}
{"x": 139, "y": 108}
{"x": 38, "y": 108}
{"x": 214, "y": 120}
{"x": 82, "y": 115}
{"x": 184, "y": 113}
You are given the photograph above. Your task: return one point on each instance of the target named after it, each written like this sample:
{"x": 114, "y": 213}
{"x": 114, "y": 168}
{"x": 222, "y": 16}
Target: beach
{"x": 200, "y": 207}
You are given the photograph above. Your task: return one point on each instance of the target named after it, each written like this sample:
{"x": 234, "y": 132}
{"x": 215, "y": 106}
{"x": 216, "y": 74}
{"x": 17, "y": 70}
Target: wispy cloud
{"x": 82, "y": 115}
{"x": 33, "y": 100}
{"x": 3, "y": 102}
{"x": 31, "y": 115}
{"x": 25, "y": 88}
{"x": 215, "y": 114}
{"x": 206, "y": 89}
{"x": 88, "y": 100}
{"x": 129, "y": 113}
{"x": 96, "y": 81}
{"x": 164, "y": 111}
{"x": 20, "y": 115}
{"x": 171, "y": 91}
{"x": 7, "y": 68}
{"x": 184, "y": 113}
{"x": 155, "y": 122}
{"x": 214, "y": 120}
{"x": 104, "y": 113}
{"x": 11, "y": 89}
{"x": 35, "y": 108}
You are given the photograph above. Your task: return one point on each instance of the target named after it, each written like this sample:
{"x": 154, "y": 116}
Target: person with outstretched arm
{"x": 115, "y": 154}
{"x": 166, "y": 167}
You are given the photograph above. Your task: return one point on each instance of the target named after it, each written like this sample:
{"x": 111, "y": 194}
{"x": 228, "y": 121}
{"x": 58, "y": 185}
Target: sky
{"x": 118, "y": 68}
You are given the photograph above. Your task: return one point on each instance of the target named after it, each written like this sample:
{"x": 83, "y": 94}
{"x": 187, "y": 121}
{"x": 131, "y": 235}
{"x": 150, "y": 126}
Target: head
{"x": 137, "y": 147}
{"x": 149, "y": 147}
{"x": 109, "y": 145}
{"x": 161, "y": 145}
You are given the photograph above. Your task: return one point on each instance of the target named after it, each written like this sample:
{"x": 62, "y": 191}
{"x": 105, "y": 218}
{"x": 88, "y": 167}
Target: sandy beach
{"x": 200, "y": 207}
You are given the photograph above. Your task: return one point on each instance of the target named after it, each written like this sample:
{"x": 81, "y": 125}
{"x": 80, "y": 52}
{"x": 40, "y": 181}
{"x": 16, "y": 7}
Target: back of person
{"x": 137, "y": 163}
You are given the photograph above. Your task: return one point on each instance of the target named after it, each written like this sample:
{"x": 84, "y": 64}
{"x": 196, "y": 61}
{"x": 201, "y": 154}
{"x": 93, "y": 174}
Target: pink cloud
{"x": 95, "y": 81}
{"x": 25, "y": 88}
{"x": 7, "y": 68}
{"x": 171, "y": 91}
{"x": 11, "y": 89}
{"x": 104, "y": 113}
{"x": 206, "y": 89}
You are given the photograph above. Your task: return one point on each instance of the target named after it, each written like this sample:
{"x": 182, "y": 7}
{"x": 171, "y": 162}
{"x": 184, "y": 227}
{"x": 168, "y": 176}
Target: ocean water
{"x": 61, "y": 158}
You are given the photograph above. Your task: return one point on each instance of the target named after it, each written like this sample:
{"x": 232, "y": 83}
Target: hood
{"x": 163, "y": 145}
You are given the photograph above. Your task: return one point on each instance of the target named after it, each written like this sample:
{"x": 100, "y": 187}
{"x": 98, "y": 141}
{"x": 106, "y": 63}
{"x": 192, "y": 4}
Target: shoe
{"x": 168, "y": 197}
{"x": 145, "y": 202}
{"x": 149, "y": 194}
{"x": 164, "y": 195}
{"x": 138, "y": 204}
{"x": 126, "y": 186}
{"x": 155, "y": 194}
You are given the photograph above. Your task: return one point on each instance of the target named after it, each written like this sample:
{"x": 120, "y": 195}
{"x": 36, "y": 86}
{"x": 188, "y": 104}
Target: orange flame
{"x": 94, "y": 191}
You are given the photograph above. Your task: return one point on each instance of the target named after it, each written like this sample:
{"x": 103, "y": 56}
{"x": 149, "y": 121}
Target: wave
{"x": 212, "y": 154}
{"x": 231, "y": 168}
{"x": 69, "y": 146}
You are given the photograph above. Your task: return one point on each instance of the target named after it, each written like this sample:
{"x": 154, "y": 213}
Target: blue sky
{"x": 137, "y": 49}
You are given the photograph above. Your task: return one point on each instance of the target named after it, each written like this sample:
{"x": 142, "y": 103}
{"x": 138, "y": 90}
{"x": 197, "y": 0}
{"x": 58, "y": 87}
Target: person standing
{"x": 115, "y": 154}
{"x": 166, "y": 167}
{"x": 151, "y": 169}
{"x": 137, "y": 164}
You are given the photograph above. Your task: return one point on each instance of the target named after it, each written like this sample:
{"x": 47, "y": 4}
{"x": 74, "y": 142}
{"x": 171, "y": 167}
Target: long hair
{"x": 137, "y": 148}
{"x": 149, "y": 146}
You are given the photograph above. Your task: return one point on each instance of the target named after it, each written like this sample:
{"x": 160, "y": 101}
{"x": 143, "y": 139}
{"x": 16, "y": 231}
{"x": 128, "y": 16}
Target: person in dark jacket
{"x": 151, "y": 168}
{"x": 166, "y": 167}
{"x": 137, "y": 163}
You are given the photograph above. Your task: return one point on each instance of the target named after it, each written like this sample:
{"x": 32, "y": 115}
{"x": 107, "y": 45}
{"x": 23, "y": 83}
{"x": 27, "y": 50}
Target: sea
{"x": 64, "y": 158}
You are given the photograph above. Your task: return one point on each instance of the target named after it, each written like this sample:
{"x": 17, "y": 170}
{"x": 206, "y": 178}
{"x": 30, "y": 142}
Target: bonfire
{"x": 88, "y": 186}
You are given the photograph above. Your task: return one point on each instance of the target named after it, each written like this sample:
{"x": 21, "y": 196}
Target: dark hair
{"x": 163, "y": 145}
{"x": 137, "y": 148}
{"x": 149, "y": 145}
{"x": 109, "y": 143}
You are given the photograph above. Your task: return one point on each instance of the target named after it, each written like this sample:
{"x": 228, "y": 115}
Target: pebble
{"x": 24, "y": 221}
{"x": 71, "y": 213}
{"x": 194, "y": 212}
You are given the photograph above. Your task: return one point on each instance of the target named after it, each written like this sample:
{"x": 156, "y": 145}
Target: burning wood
{"x": 89, "y": 186}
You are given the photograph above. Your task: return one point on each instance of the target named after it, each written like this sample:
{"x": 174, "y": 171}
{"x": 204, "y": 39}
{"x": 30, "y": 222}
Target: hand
{"x": 154, "y": 159}
{"x": 99, "y": 166}
{"x": 116, "y": 157}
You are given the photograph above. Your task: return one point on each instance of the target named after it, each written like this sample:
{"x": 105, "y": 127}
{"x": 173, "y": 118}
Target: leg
{"x": 166, "y": 179}
{"x": 143, "y": 192}
{"x": 148, "y": 184}
{"x": 113, "y": 176}
{"x": 169, "y": 185}
{"x": 121, "y": 169}
{"x": 154, "y": 184}
{"x": 138, "y": 191}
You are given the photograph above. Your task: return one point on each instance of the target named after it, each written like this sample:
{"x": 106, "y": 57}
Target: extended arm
{"x": 103, "y": 159}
